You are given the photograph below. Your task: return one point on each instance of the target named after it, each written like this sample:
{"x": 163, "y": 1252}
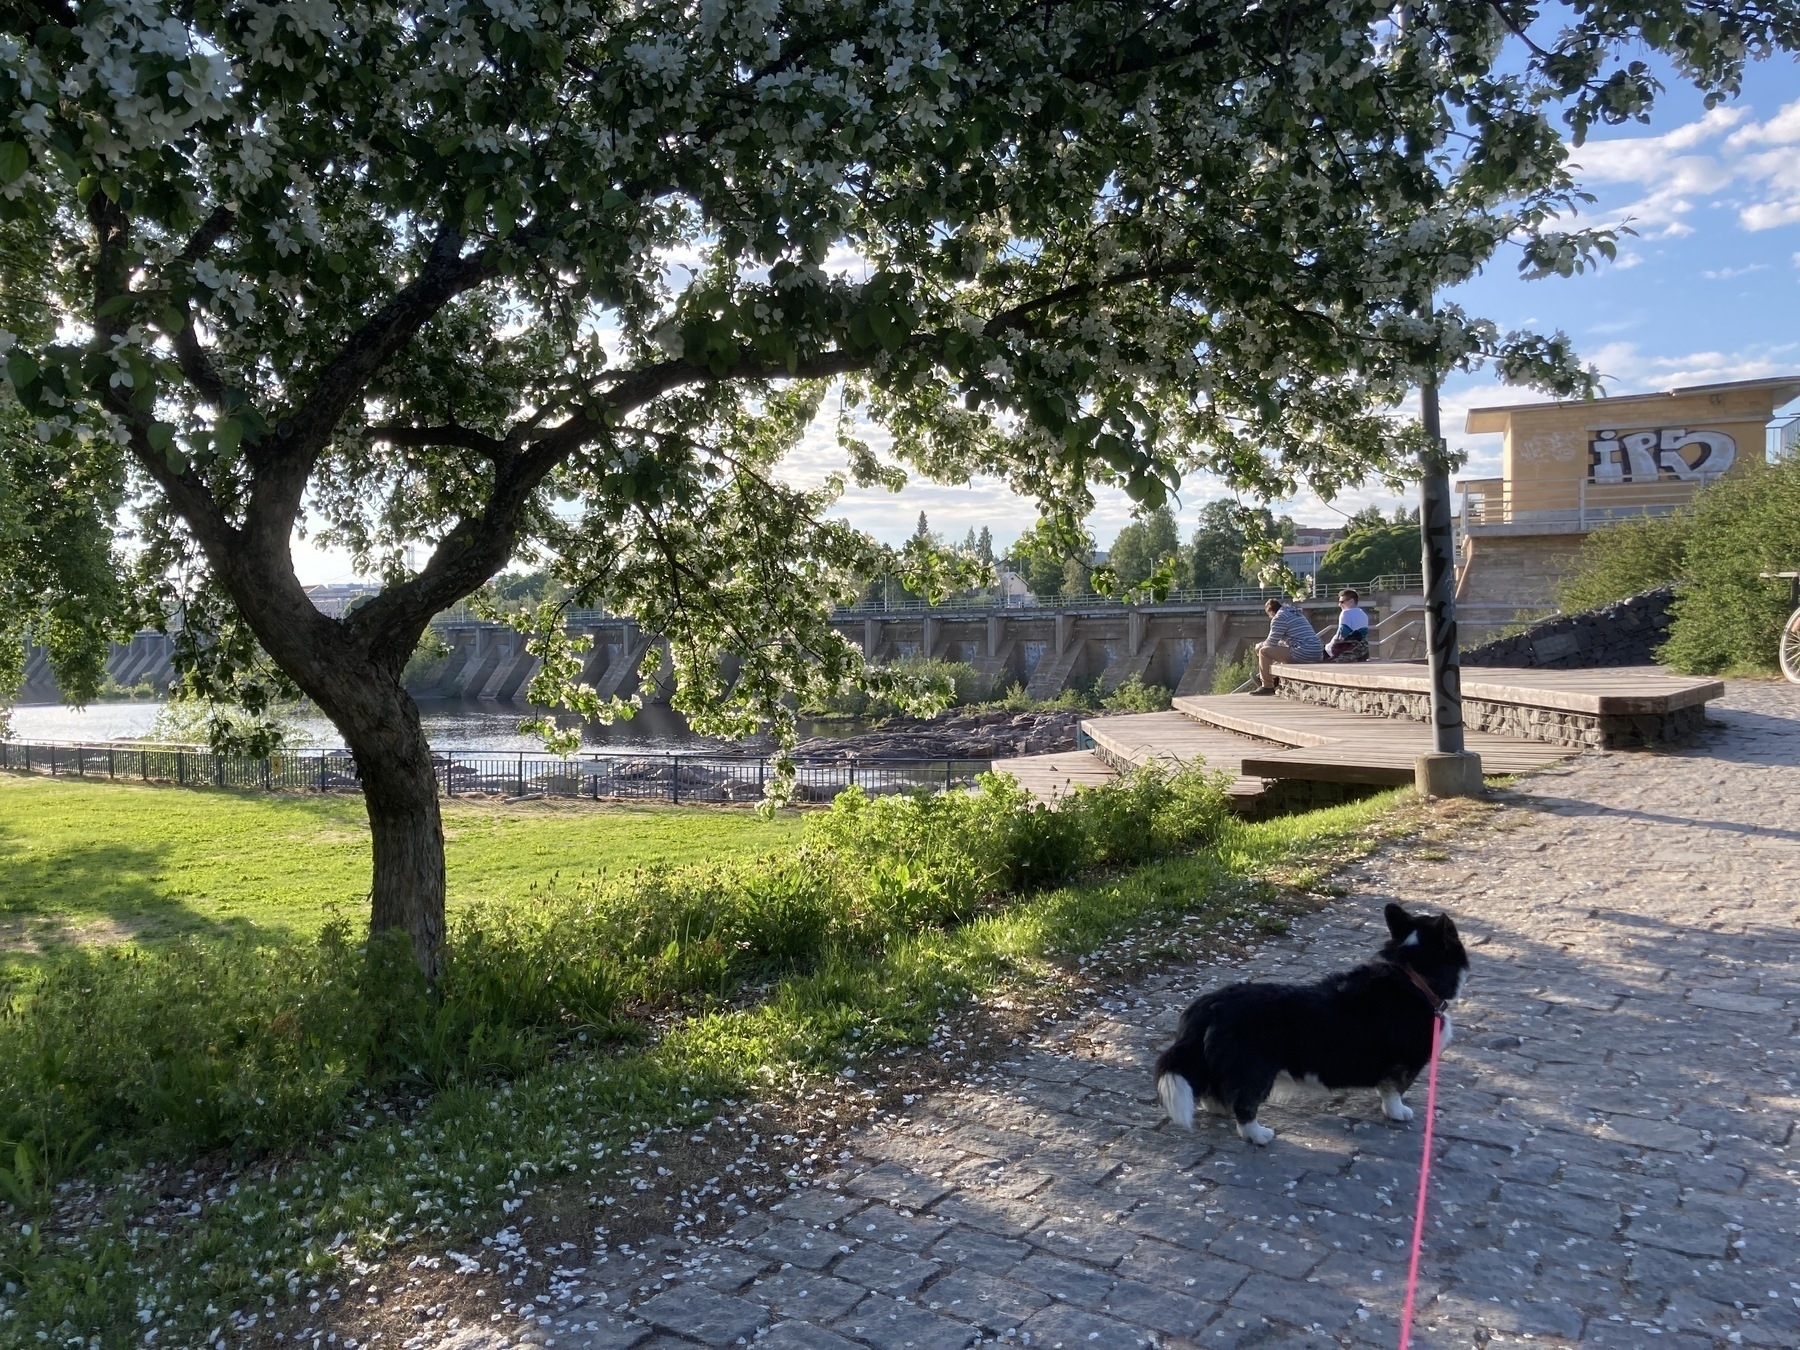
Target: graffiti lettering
{"x": 1662, "y": 455}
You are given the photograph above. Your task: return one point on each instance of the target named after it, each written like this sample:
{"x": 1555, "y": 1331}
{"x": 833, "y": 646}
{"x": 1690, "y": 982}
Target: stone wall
{"x": 1550, "y": 725}
{"x": 1624, "y": 633}
{"x": 1522, "y": 570}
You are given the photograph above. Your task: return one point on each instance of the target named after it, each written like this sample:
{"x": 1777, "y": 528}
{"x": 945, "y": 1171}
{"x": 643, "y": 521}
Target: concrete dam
{"x": 1045, "y": 649}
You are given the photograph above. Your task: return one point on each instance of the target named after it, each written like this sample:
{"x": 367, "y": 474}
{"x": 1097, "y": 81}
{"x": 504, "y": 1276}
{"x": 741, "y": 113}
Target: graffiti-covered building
{"x": 1568, "y": 468}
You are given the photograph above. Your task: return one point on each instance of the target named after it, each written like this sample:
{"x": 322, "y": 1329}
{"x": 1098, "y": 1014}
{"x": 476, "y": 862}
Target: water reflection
{"x": 448, "y": 725}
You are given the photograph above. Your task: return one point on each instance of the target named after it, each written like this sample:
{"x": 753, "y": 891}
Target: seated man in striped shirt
{"x": 1291, "y": 640}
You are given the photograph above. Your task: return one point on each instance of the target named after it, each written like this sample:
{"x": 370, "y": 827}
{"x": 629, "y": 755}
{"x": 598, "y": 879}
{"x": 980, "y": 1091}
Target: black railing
{"x": 648, "y": 776}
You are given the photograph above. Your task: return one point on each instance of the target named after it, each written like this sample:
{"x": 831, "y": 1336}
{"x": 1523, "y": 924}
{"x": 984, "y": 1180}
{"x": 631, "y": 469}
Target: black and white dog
{"x": 1368, "y": 1027}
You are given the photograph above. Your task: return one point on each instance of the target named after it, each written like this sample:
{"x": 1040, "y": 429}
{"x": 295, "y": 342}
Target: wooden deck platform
{"x": 1052, "y": 777}
{"x": 1358, "y": 725}
{"x": 1328, "y": 745}
{"x": 1613, "y": 691}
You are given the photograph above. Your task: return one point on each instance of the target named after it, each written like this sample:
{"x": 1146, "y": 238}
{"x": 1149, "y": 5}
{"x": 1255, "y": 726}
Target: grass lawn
{"x": 464, "y": 1150}
{"x": 106, "y": 861}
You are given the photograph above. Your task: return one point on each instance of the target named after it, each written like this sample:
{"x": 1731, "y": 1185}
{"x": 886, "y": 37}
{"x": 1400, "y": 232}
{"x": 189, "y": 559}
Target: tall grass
{"x": 243, "y": 1046}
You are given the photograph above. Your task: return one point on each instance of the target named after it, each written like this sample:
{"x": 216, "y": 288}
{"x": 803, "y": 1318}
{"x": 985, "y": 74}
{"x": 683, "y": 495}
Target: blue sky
{"x": 1708, "y": 290}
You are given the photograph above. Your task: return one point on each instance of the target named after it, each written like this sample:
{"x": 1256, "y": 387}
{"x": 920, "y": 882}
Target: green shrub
{"x": 1149, "y": 814}
{"x": 1134, "y": 696}
{"x": 959, "y": 680}
{"x": 1726, "y": 617}
{"x": 1228, "y": 677}
{"x": 1624, "y": 559}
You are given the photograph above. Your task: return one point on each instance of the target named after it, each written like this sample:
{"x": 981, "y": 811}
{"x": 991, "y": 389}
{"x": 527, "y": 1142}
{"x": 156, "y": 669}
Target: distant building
{"x": 1015, "y": 591}
{"x": 332, "y": 601}
{"x": 1569, "y": 468}
{"x": 1307, "y": 552}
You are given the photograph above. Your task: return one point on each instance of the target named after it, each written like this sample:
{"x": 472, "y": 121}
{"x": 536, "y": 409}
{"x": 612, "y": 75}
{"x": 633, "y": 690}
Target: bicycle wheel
{"x": 1790, "y": 648}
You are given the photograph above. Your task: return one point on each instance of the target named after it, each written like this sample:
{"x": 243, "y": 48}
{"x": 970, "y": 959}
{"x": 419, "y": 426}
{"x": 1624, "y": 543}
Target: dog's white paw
{"x": 1395, "y": 1109}
{"x": 1256, "y": 1132}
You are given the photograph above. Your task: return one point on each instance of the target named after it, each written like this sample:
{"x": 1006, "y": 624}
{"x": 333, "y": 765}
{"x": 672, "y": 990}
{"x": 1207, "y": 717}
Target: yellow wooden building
{"x": 1568, "y": 468}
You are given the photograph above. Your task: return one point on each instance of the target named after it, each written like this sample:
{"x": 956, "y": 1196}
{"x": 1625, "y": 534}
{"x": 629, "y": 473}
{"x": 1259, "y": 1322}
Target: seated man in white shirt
{"x": 1291, "y": 641}
{"x": 1352, "y": 629}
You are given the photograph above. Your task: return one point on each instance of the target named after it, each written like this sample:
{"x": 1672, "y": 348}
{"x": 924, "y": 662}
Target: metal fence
{"x": 1404, "y": 581}
{"x": 640, "y": 777}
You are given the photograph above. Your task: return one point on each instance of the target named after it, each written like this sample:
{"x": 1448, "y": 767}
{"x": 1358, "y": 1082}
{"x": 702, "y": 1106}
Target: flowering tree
{"x": 494, "y": 278}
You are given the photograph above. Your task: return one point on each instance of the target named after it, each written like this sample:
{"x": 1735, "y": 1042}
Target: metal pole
{"x": 1439, "y": 559}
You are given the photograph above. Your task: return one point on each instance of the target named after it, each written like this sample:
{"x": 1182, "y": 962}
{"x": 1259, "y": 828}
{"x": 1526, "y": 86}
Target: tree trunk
{"x": 399, "y": 783}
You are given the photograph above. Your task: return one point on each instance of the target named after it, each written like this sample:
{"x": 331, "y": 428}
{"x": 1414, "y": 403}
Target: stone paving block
{"x": 1561, "y": 1209}
{"x": 1266, "y": 1249}
{"x": 1159, "y": 1309}
{"x": 803, "y": 1336}
{"x": 971, "y": 1249}
{"x": 1663, "y": 1134}
{"x": 992, "y": 1214}
{"x": 1185, "y": 1272}
{"x": 887, "y": 1270}
{"x": 889, "y": 1324}
{"x": 1679, "y": 1233}
{"x": 703, "y": 1314}
{"x": 910, "y": 1233}
{"x": 611, "y": 1333}
{"x": 817, "y": 1206}
{"x": 807, "y": 1294}
{"x": 728, "y": 1275}
{"x": 987, "y": 1300}
{"x": 1308, "y": 1306}
{"x": 1098, "y": 1243}
{"x": 1061, "y": 1327}
{"x": 796, "y": 1244}
{"x": 900, "y": 1185}
{"x": 1185, "y": 1225}
{"x": 1068, "y": 1281}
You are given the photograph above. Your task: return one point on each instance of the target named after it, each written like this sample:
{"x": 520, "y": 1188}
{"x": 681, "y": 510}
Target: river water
{"x": 448, "y": 726}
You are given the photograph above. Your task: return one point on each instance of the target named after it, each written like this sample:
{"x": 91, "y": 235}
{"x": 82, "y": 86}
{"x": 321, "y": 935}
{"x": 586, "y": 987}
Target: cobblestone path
{"x": 1617, "y": 1165}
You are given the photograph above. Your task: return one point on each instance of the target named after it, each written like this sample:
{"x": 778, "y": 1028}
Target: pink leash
{"x": 1412, "y": 1269}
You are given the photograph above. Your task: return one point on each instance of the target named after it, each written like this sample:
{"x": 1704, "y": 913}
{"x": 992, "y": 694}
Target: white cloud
{"x": 1718, "y": 153}
{"x": 1627, "y": 369}
{"x": 1727, "y": 273}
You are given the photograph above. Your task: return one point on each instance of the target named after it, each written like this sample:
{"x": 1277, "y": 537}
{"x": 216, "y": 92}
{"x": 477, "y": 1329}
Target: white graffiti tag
{"x": 1663, "y": 454}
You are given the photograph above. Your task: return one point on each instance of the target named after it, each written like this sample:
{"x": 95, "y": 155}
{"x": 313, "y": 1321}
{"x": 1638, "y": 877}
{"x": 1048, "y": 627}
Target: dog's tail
{"x": 1177, "y": 1097}
{"x": 1182, "y": 1073}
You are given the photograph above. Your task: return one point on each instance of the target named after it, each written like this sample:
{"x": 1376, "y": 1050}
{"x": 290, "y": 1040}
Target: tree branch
{"x": 211, "y": 230}
{"x": 285, "y": 460}
{"x": 465, "y": 438}
{"x": 479, "y": 546}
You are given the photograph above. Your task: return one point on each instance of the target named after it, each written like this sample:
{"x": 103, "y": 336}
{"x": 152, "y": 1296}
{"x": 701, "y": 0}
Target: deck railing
{"x": 1570, "y": 507}
{"x": 647, "y": 776}
{"x": 1211, "y": 595}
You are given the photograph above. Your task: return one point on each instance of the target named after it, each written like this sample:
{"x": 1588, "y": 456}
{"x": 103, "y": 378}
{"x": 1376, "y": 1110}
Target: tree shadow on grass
{"x": 95, "y": 892}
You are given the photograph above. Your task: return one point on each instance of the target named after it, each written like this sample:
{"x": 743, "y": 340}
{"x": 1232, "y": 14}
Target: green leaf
{"x": 228, "y": 432}
{"x": 117, "y": 305}
{"x": 14, "y": 160}
{"x": 21, "y": 370}
{"x": 161, "y": 436}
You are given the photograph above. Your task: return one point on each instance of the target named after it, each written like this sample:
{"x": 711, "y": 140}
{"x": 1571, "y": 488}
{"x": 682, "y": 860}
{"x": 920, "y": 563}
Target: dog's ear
{"x": 1399, "y": 922}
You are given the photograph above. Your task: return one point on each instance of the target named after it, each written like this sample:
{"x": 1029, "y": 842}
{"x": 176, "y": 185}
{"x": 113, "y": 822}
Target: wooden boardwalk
{"x": 1259, "y": 741}
{"x": 1052, "y": 777}
{"x": 1328, "y": 745}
